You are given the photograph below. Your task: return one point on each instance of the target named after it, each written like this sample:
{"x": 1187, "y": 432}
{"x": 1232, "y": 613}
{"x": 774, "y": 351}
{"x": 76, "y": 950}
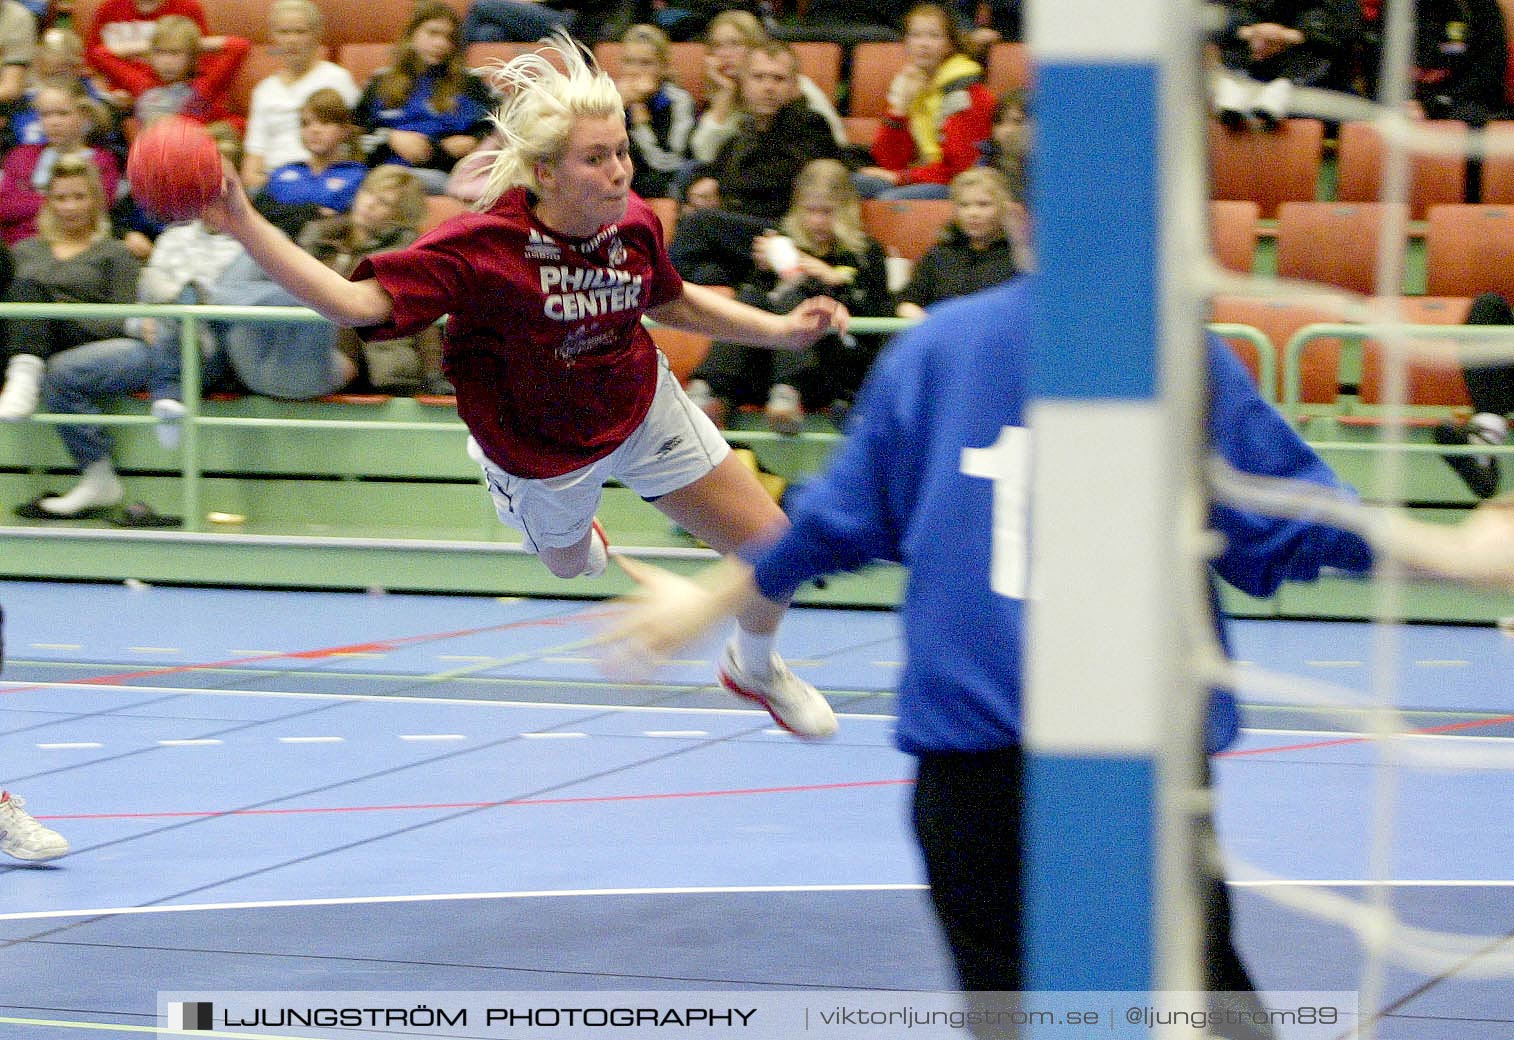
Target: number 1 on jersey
{"x": 1007, "y": 463}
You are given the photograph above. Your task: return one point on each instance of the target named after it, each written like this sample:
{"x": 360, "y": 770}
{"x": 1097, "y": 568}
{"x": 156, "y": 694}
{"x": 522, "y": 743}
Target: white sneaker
{"x": 1272, "y": 102}
{"x": 784, "y": 412}
{"x": 23, "y": 837}
{"x": 170, "y": 415}
{"x": 794, "y": 704}
{"x": 23, "y": 387}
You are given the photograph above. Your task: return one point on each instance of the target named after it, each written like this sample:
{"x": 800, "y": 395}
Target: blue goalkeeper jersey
{"x": 900, "y": 490}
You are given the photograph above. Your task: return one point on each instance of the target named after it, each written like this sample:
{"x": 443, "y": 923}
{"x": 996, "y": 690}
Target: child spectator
{"x": 659, "y": 113}
{"x": 326, "y": 183}
{"x": 67, "y": 115}
{"x": 120, "y": 37}
{"x": 975, "y": 250}
{"x": 71, "y": 259}
{"x": 425, "y": 110}
{"x": 828, "y": 255}
{"x": 186, "y": 90}
{"x": 273, "y": 113}
{"x": 939, "y": 112}
{"x": 60, "y": 52}
{"x": 300, "y": 361}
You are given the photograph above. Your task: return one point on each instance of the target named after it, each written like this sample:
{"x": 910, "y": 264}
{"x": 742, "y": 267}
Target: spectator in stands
{"x": 60, "y": 52}
{"x": 777, "y": 136}
{"x": 71, "y": 259}
{"x": 975, "y": 250}
{"x": 820, "y": 249}
{"x": 326, "y": 183}
{"x": 846, "y": 22}
{"x": 1268, "y": 47}
{"x": 512, "y": 21}
{"x": 68, "y": 116}
{"x": 939, "y": 113}
{"x": 1460, "y": 57}
{"x": 386, "y": 215}
{"x": 704, "y": 193}
{"x": 184, "y": 88}
{"x": 18, "y": 48}
{"x": 731, "y": 37}
{"x": 120, "y": 37}
{"x": 659, "y": 113}
{"x": 1009, "y": 138}
{"x": 1491, "y": 388}
{"x": 300, "y": 361}
{"x": 425, "y": 110}
{"x": 990, "y": 21}
{"x": 273, "y": 112}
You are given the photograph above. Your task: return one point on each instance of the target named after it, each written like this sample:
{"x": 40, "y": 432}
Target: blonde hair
{"x": 655, "y": 38}
{"x": 410, "y": 194}
{"x": 174, "y": 32}
{"x": 744, "y": 22}
{"x": 75, "y": 166}
{"x": 73, "y": 88}
{"x": 984, "y": 177}
{"x": 832, "y": 181}
{"x": 313, "y": 14}
{"x": 62, "y": 46}
{"x": 542, "y": 103}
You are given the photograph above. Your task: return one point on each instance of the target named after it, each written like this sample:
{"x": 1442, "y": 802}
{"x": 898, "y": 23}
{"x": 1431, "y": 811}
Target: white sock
{"x": 598, "y": 559}
{"x": 23, "y": 387}
{"x": 99, "y": 486}
{"x": 1487, "y": 428}
{"x": 168, "y": 412}
{"x": 754, "y": 651}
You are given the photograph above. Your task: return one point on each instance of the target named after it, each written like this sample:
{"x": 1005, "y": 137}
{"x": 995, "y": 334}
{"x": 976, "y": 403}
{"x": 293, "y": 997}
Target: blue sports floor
{"x": 279, "y": 791}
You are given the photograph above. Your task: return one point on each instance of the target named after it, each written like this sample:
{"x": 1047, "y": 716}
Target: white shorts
{"x": 674, "y": 446}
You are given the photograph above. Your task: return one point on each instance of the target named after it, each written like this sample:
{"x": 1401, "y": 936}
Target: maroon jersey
{"x": 544, "y": 341}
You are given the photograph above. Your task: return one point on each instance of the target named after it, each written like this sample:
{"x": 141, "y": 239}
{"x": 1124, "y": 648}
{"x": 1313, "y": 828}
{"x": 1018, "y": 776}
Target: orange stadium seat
{"x": 821, "y": 62}
{"x": 1279, "y": 319}
{"x": 1498, "y": 170}
{"x": 1436, "y": 381}
{"x": 1008, "y": 65}
{"x": 1469, "y": 249}
{"x": 1266, "y": 168}
{"x": 906, "y": 227}
{"x": 1232, "y": 233}
{"x": 873, "y": 69}
{"x": 1334, "y": 243}
{"x": 364, "y": 59}
{"x": 1433, "y": 179}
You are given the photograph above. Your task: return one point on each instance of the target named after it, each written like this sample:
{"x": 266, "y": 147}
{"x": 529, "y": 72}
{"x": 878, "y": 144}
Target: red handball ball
{"x": 174, "y": 168}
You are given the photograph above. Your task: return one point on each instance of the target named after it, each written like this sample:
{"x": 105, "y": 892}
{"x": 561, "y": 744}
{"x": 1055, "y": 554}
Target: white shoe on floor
{"x": 170, "y": 415}
{"x": 794, "y": 704}
{"x": 23, "y": 387}
{"x": 23, "y": 837}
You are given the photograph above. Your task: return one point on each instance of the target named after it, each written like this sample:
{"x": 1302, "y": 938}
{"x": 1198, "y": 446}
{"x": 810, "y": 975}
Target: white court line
{"x": 1447, "y": 663}
{"x": 573, "y": 893}
{"x": 589, "y": 893}
{"x": 1355, "y": 735}
{"x": 57, "y": 646}
{"x": 665, "y": 709}
{"x": 78, "y": 745}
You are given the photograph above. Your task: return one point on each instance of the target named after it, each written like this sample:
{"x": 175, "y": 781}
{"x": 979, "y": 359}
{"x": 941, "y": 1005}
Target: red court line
{"x": 1313, "y": 745}
{"x": 316, "y": 654}
{"x": 582, "y": 800}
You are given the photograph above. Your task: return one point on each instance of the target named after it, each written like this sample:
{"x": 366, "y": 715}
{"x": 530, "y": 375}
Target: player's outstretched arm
{"x": 353, "y": 304}
{"x": 668, "y": 611}
{"x": 1477, "y": 551}
{"x": 708, "y": 313}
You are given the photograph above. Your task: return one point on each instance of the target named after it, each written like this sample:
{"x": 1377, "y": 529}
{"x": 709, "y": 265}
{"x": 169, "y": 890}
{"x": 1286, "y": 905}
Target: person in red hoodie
{"x": 939, "y": 111}
{"x": 187, "y": 89}
{"x": 120, "y": 37}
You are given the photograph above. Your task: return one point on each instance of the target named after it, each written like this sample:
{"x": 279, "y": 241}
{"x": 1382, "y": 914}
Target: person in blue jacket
{"x": 951, "y": 383}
